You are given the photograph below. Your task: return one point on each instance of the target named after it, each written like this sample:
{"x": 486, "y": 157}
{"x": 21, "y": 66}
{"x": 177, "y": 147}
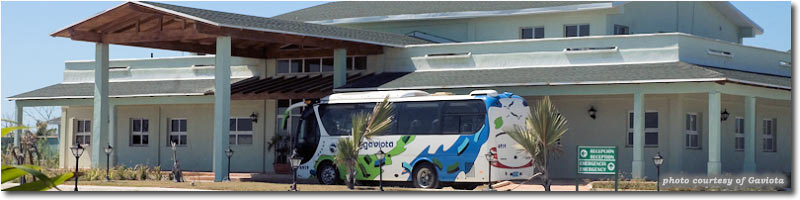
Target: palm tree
{"x": 365, "y": 126}
{"x": 539, "y": 136}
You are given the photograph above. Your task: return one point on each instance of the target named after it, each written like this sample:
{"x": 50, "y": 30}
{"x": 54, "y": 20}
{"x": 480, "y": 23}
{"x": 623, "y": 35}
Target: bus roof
{"x": 394, "y": 95}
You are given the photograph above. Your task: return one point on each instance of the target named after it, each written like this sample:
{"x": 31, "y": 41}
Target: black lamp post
{"x": 658, "y": 160}
{"x": 77, "y": 151}
{"x": 592, "y": 112}
{"x": 295, "y": 161}
{"x": 724, "y": 115}
{"x": 229, "y": 153}
{"x": 108, "y": 150}
{"x": 491, "y": 158}
{"x": 381, "y": 155}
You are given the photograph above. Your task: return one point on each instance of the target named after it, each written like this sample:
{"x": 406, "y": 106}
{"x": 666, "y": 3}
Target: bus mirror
{"x": 289, "y": 111}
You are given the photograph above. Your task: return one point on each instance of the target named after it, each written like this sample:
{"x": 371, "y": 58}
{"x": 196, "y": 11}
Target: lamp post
{"x": 108, "y": 150}
{"x": 229, "y": 153}
{"x": 77, "y": 151}
{"x": 658, "y": 160}
{"x": 295, "y": 161}
{"x": 490, "y": 157}
{"x": 381, "y": 155}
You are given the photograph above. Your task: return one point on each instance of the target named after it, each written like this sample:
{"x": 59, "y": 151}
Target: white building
{"x": 659, "y": 74}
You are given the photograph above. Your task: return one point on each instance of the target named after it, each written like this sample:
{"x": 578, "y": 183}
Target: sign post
{"x": 597, "y": 160}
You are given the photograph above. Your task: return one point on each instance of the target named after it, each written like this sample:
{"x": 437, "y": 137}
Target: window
{"x": 650, "y": 129}
{"x": 294, "y": 117}
{"x": 338, "y": 118}
{"x": 739, "y": 134}
{"x": 139, "y": 132}
{"x": 621, "y": 30}
{"x": 463, "y": 117}
{"x": 83, "y": 132}
{"x": 177, "y": 131}
{"x": 769, "y": 140}
{"x": 692, "y": 133}
{"x": 241, "y": 131}
{"x": 315, "y": 65}
{"x": 418, "y": 118}
{"x": 532, "y": 33}
{"x": 576, "y": 30}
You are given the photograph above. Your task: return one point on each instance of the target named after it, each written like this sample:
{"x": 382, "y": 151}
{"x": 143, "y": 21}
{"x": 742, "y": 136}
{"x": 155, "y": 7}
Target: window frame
{"x": 771, "y": 136}
{"x": 86, "y": 134}
{"x": 236, "y": 132}
{"x": 696, "y": 132}
{"x": 646, "y": 130}
{"x": 627, "y": 29}
{"x": 738, "y": 133}
{"x": 351, "y": 64}
{"x": 140, "y": 133}
{"x": 578, "y": 30}
{"x": 533, "y": 32}
{"x": 178, "y": 133}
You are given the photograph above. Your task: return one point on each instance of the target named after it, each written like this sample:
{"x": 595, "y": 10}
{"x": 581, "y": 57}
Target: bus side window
{"x": 419, "y": 118}
{"x": 463, "y": 117}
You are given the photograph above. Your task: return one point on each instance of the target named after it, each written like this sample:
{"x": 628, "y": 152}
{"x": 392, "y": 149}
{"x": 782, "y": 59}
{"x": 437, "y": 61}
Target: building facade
{"x": 668, "y": 77}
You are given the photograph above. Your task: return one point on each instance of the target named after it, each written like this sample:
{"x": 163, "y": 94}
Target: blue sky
{"x": 32, "y": 59}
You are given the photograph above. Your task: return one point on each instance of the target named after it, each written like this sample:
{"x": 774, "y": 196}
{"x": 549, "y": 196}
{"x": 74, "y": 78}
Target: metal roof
{"x": 292, "y": 86}
{"x": 567, "y": 75}
{"x": 354, "y": 9}
{"x": 286, "y": 26}
{"x": 123, "y": 89}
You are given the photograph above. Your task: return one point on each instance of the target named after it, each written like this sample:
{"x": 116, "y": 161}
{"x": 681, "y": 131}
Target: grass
{"x": 238, "y": 186}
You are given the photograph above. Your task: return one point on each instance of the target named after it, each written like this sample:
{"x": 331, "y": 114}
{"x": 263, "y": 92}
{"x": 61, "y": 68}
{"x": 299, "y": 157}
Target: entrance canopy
{"x": 165, "y": 26}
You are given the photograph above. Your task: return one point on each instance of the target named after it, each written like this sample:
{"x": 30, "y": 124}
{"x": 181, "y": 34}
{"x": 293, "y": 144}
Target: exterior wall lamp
{"x": 592, "y": 113}
{"x": 254, "y": 117}
{"x": 724, "y": 115}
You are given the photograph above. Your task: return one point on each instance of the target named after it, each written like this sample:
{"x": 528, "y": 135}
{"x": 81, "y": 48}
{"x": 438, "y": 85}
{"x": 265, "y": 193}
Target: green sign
{"x": 597, "y": 159}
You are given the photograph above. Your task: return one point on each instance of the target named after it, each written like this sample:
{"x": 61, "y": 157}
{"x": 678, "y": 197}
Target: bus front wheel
{"x": 425, "y": 176}
{"x": 327, "y": 174}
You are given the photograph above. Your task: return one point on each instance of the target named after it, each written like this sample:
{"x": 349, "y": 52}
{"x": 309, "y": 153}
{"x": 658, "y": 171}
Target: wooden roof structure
{"x": 170, "y": 27}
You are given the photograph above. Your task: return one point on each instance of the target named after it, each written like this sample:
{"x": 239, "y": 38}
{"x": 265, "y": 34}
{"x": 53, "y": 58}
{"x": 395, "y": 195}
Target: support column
{"x": 749, "y": 135}
{"x": 222, "y": 106}
{"x": 637, "y": 167}
{"x": 339, "y": 67}
{"x": 714, "y": 136}
{"x": 100, "y": 121}
{"x": 19, "y": 114}
{"x": 112, "y": 134}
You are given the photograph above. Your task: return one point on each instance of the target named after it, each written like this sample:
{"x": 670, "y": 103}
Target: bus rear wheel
{"x": 327, "y": 174}
{"x": 425, "y": 176}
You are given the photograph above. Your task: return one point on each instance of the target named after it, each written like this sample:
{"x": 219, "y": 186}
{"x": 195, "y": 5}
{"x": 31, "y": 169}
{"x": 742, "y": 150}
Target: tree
{"x": 10, "y": 172}
{"x": 365, "y": 126}
{"x": 540, "y": 135}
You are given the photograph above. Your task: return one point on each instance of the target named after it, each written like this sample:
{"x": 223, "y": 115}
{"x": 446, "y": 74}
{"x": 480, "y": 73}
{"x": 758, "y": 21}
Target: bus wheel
{"x": 425, "y": 176}
{"x": 327, "y": 174}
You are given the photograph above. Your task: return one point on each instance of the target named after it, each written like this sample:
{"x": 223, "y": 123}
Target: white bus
{"x": 435, "y": 140}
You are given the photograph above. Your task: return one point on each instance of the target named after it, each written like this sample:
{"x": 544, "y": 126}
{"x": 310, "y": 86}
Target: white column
{"x": 112, "y": 134}
{"x": 100, "y": 121}
{"x": 749, "y": 135}
{"x": 222, "y": 106}
{"x": 19, "y": 114}
{"x": 714, "y": 136}
{"x": 637, "y": 167}
{"x": 339, "y": 67}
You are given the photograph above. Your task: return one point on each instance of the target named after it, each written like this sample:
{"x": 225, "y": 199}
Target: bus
{"x": 435, "y": 140}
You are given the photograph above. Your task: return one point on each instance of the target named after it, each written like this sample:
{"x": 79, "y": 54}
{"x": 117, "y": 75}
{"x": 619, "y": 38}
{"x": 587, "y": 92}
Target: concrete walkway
{"x": 69, "y": 188}
{"x": 558, "y": 185}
